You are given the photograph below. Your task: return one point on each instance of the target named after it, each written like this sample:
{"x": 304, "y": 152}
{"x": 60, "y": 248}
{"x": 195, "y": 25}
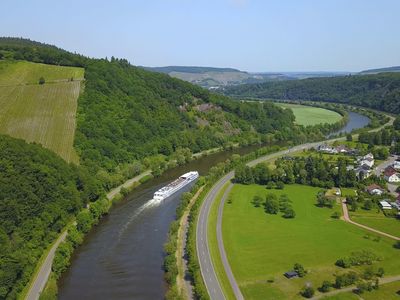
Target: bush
{"x": 325, "y": 287}
{"x": 336, "y": 215}
{"x": 42, "y": 80}
{"x": 299, "y": 269}
{"x": 307, "y": 292}
{"x": 345, "y": 279}
{"x": 280, "y": 185}
{"x": 271, "y": 204}
{"x": 289, "y": 213}
{"x": 397, "y": 245}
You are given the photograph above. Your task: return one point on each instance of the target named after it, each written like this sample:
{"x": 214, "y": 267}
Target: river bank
{"x": 141, "y": 196}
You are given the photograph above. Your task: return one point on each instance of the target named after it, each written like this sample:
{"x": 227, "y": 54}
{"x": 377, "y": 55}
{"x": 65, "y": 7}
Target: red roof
{"x": 389, "y": 171}
{"x": 373, "y": 187}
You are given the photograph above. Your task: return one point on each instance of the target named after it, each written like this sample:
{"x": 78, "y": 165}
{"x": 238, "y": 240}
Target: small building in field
{"x": 391, "y": 175}
{"x": 291, "y": 274}
{"x": 374, "y": 189}
{"x": 385, "y": 204}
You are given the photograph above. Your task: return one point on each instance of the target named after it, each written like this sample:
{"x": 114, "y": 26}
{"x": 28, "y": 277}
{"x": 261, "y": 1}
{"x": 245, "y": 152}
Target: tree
{"x": 280, "y": 185}
{"x": 336, "y": 215}
{"x": 349, "y": 137}
{"x": 325, "y": 287}
{"x": 368, "y": 204}
{"x": 397, "y": 245}
{"x": 307, "y": 292}
{"x": 271, "y": 204}
{"x": 42, "y": 80}
{"x": 299, "y": 269}
{"x": 289, "y": 213}
{"x": 257, "y": 201}
{"x": 396, "y": 123}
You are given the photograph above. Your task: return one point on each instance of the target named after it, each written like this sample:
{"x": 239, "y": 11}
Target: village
{"x": 387, "y": 174}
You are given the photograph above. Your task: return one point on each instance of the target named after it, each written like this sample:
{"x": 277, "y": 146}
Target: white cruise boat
{"x": 175, "y": 185}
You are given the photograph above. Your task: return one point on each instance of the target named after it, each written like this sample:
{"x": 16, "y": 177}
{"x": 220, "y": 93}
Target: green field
{"x": 261, "y": 247}
{"x": 308, "y": 115}
{"x": 376, "y": 219}
{"x": 44, "y": 114}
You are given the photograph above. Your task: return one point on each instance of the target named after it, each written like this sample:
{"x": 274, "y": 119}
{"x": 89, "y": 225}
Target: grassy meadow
{"x": 308, "y": 115}
{"x": 376, "y": 219}
{"x": 45, "y": 113}
{"x": 261, "y": 247}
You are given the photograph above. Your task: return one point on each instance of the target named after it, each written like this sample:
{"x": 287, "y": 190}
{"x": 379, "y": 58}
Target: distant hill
{"x": 212, "y": 78}
{"x": 189, "y": 69}
{"x": 379, "y": 91}
{"x": 381, "y": 70}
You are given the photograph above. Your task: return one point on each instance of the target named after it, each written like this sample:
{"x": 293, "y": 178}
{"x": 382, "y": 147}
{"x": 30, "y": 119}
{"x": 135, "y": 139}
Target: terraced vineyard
{"x": 44, "y": 113}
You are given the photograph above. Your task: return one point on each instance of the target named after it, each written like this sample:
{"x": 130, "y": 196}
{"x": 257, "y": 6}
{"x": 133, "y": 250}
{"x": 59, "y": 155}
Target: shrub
{"x": 271, "y": 204}
{"x": 325, "y": 287}
{"x": 345, "y": 279}
{"x": 307, "y": 292}
{"x": 289, "y": 213}
{"x": 299, "y": 269}
{"x": 42, "y": 80}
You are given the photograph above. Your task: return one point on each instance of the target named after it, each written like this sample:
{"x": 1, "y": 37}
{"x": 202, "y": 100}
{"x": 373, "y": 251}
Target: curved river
{"x": 122, "y": 257}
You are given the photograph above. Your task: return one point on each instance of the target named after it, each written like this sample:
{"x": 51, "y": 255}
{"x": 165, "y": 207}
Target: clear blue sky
{"x": 252, "y": 35}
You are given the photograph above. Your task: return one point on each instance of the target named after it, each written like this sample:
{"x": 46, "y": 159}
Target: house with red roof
{"x": 391, "y": 175}
{"x": 374, "y": 189}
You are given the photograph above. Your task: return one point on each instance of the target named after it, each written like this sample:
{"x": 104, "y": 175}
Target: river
{"x": 356, "y": 121}
{"x": 122, "y": 257}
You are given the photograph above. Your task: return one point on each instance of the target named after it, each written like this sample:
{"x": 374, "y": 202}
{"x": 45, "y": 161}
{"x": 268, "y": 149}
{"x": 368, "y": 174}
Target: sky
{"x": 251, "y": 35}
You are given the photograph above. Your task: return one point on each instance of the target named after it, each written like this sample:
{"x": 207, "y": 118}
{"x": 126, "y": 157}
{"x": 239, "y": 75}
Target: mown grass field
{"x": 308, "y": 115}
{"x": 44, "y": 114}
{"x": 261, "y": 247}
{"x": 376, "y": 219}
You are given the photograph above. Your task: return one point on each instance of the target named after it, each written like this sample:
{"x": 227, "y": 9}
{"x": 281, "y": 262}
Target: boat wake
{"x": 149, "y": 204}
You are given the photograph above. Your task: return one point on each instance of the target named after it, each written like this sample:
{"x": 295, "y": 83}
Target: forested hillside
{"x": 39, "y": 193}
{"x": 126, "y": 113}
{"x": 380, "y": 91}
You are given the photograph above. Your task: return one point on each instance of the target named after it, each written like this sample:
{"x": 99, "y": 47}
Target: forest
{"x": 128, "y": 119}
{"x": 378, "y": 91}
{"x": 39, "y": 193}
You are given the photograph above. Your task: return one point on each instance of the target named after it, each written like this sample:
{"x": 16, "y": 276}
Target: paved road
{"x": 45, "y": 269}
{"x": 207, "y": 269}
{"x": 127, "y": 184}
{"x": 44, "y": 272}
{"x": 351, "y": 288}
{"x": 224, "y": 258}
{"x": 346, "y": 217}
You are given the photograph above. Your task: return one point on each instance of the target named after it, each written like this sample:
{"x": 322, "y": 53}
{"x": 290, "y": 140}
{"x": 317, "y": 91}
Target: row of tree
{"x": 311, "y": 170}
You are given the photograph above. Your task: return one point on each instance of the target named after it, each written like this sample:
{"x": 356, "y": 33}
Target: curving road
{"x": 44, "y": 271}
{"x": 207, "y": 269}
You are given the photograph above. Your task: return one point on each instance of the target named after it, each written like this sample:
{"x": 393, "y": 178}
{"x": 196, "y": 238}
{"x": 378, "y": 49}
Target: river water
{"x": 356, "y": 121}
{"x": 122, "y": 257}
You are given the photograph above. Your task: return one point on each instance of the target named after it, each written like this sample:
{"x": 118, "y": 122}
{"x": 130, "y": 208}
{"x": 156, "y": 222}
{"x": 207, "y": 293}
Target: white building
{"x": 391, "y": 175}
{"x": 385, "y": 205}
